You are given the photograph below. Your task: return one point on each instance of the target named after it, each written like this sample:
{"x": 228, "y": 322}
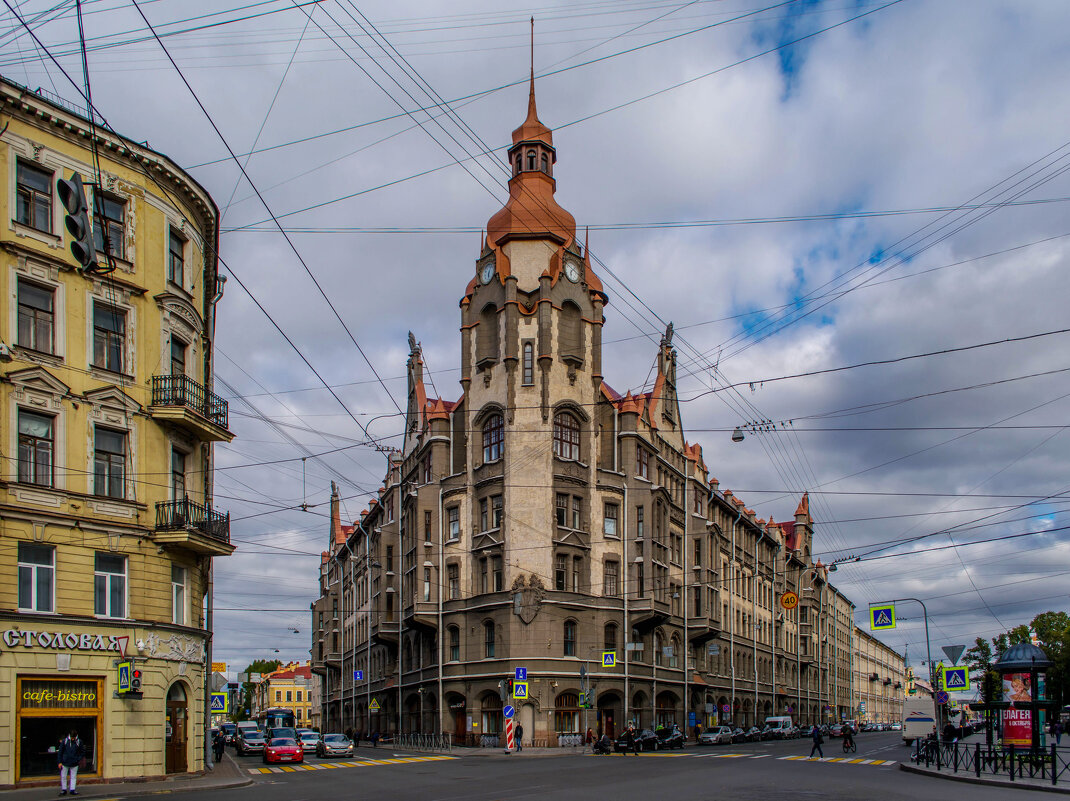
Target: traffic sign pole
{"x": 509, "y": 741}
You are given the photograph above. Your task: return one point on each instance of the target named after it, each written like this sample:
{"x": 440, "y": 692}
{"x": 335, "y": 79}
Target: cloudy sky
{"x": 797, "y": 186}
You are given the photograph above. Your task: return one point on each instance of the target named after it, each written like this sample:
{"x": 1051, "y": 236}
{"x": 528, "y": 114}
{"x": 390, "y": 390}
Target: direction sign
{"x": 882, "y": 617}
{"x": 508, "y": 711}
{"x": 520, "y": 689}
{"x": 609, "y": 659}
{"x": 374, "y": 705}
{"x": 521, "y": 674}
{"x": 942, "y": 697}
{"x": 953, "y": 652}
{"x": 124, "y": 677}
{"x": 219, "y": 667}
{"x": 955, "y": 679}
{"x": 789, "y": 600}
{"x": 713, "y": 649}
{"x": 220, "y": 703}
{"x": 358, "y": 675}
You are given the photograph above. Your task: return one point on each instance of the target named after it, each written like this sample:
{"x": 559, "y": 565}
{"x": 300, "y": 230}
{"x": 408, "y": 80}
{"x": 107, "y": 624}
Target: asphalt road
{"x": 769, "y": 771}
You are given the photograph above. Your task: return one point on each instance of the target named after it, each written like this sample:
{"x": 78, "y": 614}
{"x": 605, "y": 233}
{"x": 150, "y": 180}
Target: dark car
{"x": 754, "y": 734}
{"x": 334, "y": 745}
{"x": 738, "y": 735}
{"x": 837, "y": 731}
{"x": 249, "y": 741}
{"x": 670, "y": 738}
{"x": 645, "y": 740}
{"x": 230, "y": 731}
{"x": 772, "y": 733}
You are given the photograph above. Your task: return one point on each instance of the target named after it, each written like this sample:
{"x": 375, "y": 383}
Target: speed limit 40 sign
{"x": 789, "y": 600}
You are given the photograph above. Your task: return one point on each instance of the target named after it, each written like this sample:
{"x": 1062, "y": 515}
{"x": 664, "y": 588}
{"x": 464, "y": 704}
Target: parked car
{"x": 738, "y": 735}
{"x": 771, "y": 733}
{"x": 645, "y": 740}
{"x": 670, "y": 738}
{"x": 754, "y": 734}
{"x": 718, "y": 735}
{"x": 309, "y": 740}
{"x": 334, "y": 745}
{"x": 250, "y": 741}
{"x": 283, "y": 749}
{"x": 837, "y": 731}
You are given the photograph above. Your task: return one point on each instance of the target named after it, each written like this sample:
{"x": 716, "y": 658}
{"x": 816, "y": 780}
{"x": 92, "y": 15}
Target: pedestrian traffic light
{"x": 135, "y": 678}
{"x": 77, "y": 221}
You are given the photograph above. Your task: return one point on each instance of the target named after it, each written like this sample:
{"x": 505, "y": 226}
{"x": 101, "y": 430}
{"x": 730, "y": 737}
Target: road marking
{"x": 761, "y": 756}
{"x": 367, "y": 763}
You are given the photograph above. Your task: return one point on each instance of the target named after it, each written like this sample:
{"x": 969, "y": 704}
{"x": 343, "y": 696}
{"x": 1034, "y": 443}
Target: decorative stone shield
{"x": 527, "y": 599}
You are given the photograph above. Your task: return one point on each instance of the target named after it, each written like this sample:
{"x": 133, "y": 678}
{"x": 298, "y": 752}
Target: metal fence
{"x": 1016, "y": 763}
{"x": 424, "y": 742}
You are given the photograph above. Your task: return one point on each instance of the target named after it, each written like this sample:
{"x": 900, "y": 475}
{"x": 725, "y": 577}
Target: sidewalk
{"x": 226, "y": 774}
{"x": 997, "y": 780}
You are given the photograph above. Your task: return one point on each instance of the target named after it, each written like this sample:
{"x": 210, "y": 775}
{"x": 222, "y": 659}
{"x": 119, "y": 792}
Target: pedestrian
{"x": 818, "y": 739}
{"x": 375, "y": 739}
{"x": 630, "y": 740}
{"x": 698, "y": 731}
{"x": 219, "y": 745}
{"x": 1057, "y": 730}
{"x": 589, "y": 737}
{"x": 519, "y": 737}
{"x": 71, "y": 757}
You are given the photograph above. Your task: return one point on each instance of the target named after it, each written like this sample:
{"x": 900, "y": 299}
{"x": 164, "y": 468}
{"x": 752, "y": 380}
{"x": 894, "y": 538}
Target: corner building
{"x": 543, "y": 520}
{"x": 108, "y": 424}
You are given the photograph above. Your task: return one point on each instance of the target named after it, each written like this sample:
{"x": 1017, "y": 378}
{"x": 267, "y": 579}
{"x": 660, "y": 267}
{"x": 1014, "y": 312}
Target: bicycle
{"x": 850, "y": 746}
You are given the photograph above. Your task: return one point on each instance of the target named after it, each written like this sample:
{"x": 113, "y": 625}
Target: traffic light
{"x": 77, "y": 221}
{"x": 135, "y": 678}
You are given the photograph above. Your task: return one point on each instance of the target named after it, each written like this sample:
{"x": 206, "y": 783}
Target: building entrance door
{"x": 176, "y": 729}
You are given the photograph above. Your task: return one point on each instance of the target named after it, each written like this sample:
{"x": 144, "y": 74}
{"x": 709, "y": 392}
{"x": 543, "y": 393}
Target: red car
{"x": 283, "y": 749}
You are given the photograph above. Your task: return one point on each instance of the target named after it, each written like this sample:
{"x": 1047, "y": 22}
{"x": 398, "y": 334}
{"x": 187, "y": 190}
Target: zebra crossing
{"x": 355, "y": 763}
{"x": 841, "y": 760}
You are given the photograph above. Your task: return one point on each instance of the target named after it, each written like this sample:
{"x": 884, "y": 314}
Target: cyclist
{"x": 848, "y": 739}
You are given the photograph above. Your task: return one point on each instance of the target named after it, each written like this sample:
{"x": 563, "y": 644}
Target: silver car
{"x": 309, "y": 740}
{"x": 718, "y": 735}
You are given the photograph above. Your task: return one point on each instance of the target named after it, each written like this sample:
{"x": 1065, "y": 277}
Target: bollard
{"x": 1054, "y": 765}
{"x": 1012, "y": 762}
{"x": 977, "y": 760}
{"x": 955, "y": 758}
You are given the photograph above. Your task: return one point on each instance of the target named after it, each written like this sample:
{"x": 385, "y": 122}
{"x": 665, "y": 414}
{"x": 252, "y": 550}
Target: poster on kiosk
{"x": 1018, "y": 720}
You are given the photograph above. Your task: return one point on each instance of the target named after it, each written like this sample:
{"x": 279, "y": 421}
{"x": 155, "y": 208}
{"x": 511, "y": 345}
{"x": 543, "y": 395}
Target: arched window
{"x": 545, "y": 164}
{"x": 487, "y": 334}
{"x": 529, "y": 364}
{"x": 570, "y": 332}
{"x": 531, "y": 159}
{"x": 570, "y": 638}
{"x": 516, "y": 166}
{"x": 488, "y": 639}
{"x": 566, "y": 436}
{"x": 567, "y": 713}
{"x": 493, "y": 434}
{"x": 611, "y": 637}
{"x": 673, "y": 660}
{"x": 455, "y": 644}
{"x": 658, "y": 645}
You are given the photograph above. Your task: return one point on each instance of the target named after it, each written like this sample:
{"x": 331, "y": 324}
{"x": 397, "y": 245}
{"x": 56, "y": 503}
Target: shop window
{"x": 493, "y": 434}
{"x": 455, "y": 644}
{"x": 109, "y": 585}
{"x": 109, "y": 226}
{"x": 109, "y": 462}
{"x": 567, "y": 713}
{"x": 43, "y": 721}
{"x": 37, "y": 577}
{"x": 33, "y": 188}
{"x": 178, "y": 595}
{"x": 453, "y": 514}
{"x": 109, "y": 337}
{"x": 36, "y": 448}
{"x": 176, "y": 258}
{"x": 570, "y": 638}
{"x": 566, "y": 436}
{"x": 37, "y": 320}
{"x": 488, "y": 639}
{"x": 609, "y": 520}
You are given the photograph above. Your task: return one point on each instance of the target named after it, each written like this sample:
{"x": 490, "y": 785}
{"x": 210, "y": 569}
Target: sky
{"x": 799, "y": 187}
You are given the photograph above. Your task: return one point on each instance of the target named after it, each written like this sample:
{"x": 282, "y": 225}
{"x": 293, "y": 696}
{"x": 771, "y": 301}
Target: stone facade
{"x": 880, "y": 680}
{"x": 544, "y": 521}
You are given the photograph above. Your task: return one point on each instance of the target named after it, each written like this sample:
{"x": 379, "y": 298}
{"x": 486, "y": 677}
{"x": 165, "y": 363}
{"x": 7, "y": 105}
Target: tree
{"x": 980, "y": 659}
{"x": 1053, "y": 635}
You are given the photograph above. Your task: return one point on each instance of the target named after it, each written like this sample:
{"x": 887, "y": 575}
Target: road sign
{"x": 256, "y": 677}
{"x": 124, "y": 677}
{"x": 609, "y": 659}
{"x": 789, "y": 600}
{"x": 954, "y": 652}
{"x": 521, "y": 674}
{"x": 508, "y": 711}
{"x": 220, "y": 703}
{"x": 358, "y": 675}
{"x": 713, "y": 649}
{"x": 520, "y": 689}
{"x": 955, "y": 679}
{"x": 942, "y": 697}
{"x": 882, "y": 617}
{"x": 219, "y": 667}
{"x": 243, "y": 678}
{"x": 862, "y": 706}
{"x": 726, "y": 709}
{"x": 510, "y": 740}
{"x": 374, "y": 705}
{"x": 692, "y": 719}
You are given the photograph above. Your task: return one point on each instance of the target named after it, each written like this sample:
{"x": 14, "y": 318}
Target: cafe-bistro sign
{"x": 60, "y": 641}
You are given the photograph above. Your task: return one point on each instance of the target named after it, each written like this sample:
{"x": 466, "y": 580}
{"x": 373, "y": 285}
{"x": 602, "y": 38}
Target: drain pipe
{"x": 626, "y": 632}
{"x": 732, "y": 615}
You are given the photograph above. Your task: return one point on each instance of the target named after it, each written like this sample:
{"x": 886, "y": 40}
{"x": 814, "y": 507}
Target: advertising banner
{"x": 1017, "y": 727}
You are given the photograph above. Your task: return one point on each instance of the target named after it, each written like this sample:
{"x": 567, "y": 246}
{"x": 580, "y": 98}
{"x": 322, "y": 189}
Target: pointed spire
{"x": 533, "y": 129}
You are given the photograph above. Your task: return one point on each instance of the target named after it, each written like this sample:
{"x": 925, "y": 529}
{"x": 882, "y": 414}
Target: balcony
{"x": 197, "y": 528}
{"x": 647, "y": 612}
{"x": 182, "y": 402}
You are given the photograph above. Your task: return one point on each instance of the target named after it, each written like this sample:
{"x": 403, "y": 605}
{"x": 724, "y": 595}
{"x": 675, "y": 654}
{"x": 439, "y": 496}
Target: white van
{"x": 919, "y": 717}
{"x": 782, "y": 726}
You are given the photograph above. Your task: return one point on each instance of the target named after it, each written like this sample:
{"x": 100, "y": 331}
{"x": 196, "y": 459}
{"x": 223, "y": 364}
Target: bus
{"x": 277, "y": 722}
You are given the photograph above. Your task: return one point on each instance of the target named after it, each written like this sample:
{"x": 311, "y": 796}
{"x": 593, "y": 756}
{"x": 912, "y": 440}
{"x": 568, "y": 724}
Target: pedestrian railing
{"x": 424, "y": 742}
{"x": 1046, "y": 764}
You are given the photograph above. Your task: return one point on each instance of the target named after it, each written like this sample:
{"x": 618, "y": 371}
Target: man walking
{"x": 519, "y": 737}
{"x": 818, "y": 739}
{"x": 71, "y": 755}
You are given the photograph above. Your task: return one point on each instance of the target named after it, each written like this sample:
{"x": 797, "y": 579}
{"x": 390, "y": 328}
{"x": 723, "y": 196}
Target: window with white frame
{"x": 566, "y": 436}
{"x": 109, "y": 337}
{"x": 453, "y": 514}
{"x": 110, "y": 225}
{"x": 37, "y": 577}
{"x": 178, "y": 595}
{"x": 609, "y": 526}
{"x": 37, "y": 447}
{"x": 37, "y": 317}
{"x": 33, "y": 190}
{"x": 493, "y": 435}
{"x": 109, "y": 585}
{"x": 109, "y": 462}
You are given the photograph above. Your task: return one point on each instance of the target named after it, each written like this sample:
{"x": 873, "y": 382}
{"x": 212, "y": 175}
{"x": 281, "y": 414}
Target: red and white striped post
{"x": 510, "y": 743}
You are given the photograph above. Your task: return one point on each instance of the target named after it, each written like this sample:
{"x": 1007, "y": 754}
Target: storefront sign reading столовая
{"x": 61, "y": 641}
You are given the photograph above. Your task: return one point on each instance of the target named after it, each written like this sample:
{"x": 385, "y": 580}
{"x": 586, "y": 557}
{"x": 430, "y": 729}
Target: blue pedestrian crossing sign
{"x": 520, "y": 689}
{"x": 124, "y": 677}
{"x": 609, "y": 659}
{"x": 955, "y": 679}
{"x": 220, "y": 703}
{"x": 521, "y": 674}
{"x": 882, "y": 617}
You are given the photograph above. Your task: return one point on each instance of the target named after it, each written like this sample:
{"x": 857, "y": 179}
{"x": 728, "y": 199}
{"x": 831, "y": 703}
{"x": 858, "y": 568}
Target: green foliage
{"x": 256, "y": 666}
{"x": 1052, "y": 630}
{"x": 980, "y": 659}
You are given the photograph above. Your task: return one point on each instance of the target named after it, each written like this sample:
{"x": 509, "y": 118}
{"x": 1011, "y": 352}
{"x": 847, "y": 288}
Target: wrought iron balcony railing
{"x": 186, "y": 514}
{"x": 181, "y": 390}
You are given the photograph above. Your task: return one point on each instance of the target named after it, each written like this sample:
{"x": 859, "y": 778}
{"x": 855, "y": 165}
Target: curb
{"x": 956, "y": 777}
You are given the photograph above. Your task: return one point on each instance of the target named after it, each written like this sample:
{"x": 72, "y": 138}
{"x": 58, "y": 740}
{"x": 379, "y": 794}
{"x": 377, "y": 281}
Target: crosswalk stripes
{"x": 843, "y": 760}
{"x": 363, "y": 763}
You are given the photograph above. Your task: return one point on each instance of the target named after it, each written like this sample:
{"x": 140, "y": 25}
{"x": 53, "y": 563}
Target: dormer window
{"x": 545, "y": 164}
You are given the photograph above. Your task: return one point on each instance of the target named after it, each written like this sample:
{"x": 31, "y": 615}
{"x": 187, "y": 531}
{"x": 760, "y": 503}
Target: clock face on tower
{"x": 486, "y": 272}
{"x": 572, "y": 271}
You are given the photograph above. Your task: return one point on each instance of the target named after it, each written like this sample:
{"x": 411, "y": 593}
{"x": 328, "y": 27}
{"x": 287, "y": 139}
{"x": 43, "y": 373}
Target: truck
{"x": 781, "y": 726}
{"x": 919, "y": 717}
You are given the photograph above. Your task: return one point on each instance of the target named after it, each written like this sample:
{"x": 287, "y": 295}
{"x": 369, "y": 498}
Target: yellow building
{"x": 107, "y": 526}
{"x": 289, "y": 687}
